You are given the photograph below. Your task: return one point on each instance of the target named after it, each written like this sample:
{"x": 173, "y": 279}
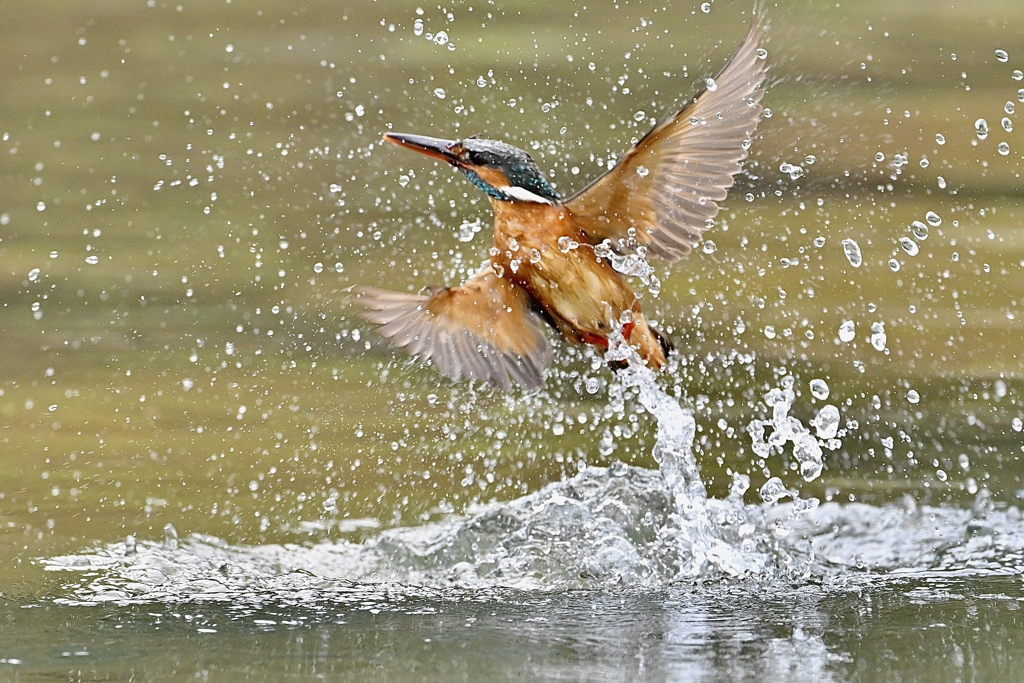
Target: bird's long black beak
{"x": 432, "y": 147}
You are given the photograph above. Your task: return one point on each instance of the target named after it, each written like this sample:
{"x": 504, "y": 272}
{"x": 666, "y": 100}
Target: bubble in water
{"x": 640, "y": 115}
{"x": 852, "y": 250}
{"x": 1002, "y": 55}
{"x": 933, "y": 219}
{"x": 920, "y": 230}
{"x": 1007, "y": 124}
{"x": 709, "y": 247}
{"x": 909, "y": 246}
{"x": 711, "y": 84}
{"x": 819, "y": 389}
{"x": 981, "y": 128}
{"x": 440, "y": 93}
{"x": 33, "y": 275}
{"x": 940, "y": 138}
{"x": 826, "y": 424}
{"x": 1017, "y": 424}
{"x": 913, "y": 397}
{"x": 1009, "y": 107}
{"x": 878, "y": 337}
{"x": 1003, "y": 148}
{"x": 769, "y": 331}
{"x": 847, "y": 331}
{"x": 1020, "y": 95}
{"x": 894, "y": 265}
{"x": 942, "y": 182}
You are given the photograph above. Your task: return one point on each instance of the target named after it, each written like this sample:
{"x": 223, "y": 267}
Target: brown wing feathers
{"x": 667, "y": 186}
{"x": 483, "y": 329}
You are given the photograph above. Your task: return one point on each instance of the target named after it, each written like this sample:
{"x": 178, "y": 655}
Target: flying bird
{"x": 551, "y": 258}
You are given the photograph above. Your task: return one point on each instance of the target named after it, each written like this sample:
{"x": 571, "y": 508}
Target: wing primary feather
{"x": 670, "y": 183}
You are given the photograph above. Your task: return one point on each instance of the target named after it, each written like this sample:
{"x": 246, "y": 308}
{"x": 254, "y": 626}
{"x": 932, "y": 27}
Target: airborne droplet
{"x": 981, "y": 128}
{"x": 852, "y": 251}
{"x": 819, "y": 389}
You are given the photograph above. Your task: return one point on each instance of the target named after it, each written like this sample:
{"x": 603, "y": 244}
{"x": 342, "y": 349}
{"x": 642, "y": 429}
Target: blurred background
{"x": 189, "y": 192}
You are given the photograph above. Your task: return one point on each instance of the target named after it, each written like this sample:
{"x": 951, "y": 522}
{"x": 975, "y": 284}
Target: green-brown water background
{"x": 189, "y": 191}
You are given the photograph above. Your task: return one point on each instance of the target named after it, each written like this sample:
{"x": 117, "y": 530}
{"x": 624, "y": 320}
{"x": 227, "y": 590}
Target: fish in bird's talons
{"x": 656, "y": 201}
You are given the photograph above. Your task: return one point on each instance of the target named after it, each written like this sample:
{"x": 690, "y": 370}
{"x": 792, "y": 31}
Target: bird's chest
{"x": 543, "y": 252}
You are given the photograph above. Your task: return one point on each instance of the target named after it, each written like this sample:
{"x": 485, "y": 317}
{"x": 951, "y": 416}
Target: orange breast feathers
{"x": 540, "y": 249}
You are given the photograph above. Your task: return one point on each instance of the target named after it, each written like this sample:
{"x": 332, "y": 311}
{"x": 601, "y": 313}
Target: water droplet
{"x": 534, "y": 255}
{"x": 440, "y": 93}
{"x": 847, "y": 331}
{"x": 913, "y": 397}
{"x": 640, "y": 115}
{"x": 33, "y": 275}
{"x": 774, "y": 490}
{"x": 1002, "y": 56}
{"x": 852, "y": 251}
{"x": 894, "y": 265}
{"x": 1017, "y": 424}
{"x": 705, "y": 7}
{"x": 919, "y": 229}
{"x": 441, "y": 38}
{"x": 810, "y": 469}
{"x": 709, "y": 247}
{"x": 933, "y": 219}
{"x": 819, "y": 389}
{"x": 981, "y": 128}
{"x": 1009, "y": 107}
{"x": 826, "y": 424}
{"x": 92, "y": 259}
{"x": 1007, "y": 124}
{"x": 819, "y": 242}
{"x": 878, "y": 338}
{"x": 712, "y": 86}
{"x": 940, "y": 138}
{"x": 567, "y": 244}
{"x": 593, "y": 384}
{"x": 481, "y": 82}
{"x": 417, "y": 27}
{"x": 909, "y": 246}
{"x": 1003, "y": 148}
{"x": 318, "y": 267}
{"x": 879, "y": 157}
{"x": 1018, "y": 75}
{"x": 769, "y": 331}
{"x": 761, "y": 53}
{"x": 1020, "y": 95}
{"x": 642, "y": 171}
{"x": 942, "y": 182}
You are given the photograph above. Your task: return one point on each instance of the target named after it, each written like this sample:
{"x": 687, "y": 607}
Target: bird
{"x": 552, "y": 259}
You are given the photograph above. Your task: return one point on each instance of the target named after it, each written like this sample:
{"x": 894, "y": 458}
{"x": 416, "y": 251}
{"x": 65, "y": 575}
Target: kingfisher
{"x": 553, "y": 259}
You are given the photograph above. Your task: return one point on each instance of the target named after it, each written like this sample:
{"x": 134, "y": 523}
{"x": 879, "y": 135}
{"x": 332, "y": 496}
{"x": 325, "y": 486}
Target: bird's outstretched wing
{"x": 484, "y": 329}
{"x": 668, "y": 186}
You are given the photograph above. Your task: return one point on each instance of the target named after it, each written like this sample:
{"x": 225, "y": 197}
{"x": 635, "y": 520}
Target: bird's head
{"x": 504, "y": 172}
